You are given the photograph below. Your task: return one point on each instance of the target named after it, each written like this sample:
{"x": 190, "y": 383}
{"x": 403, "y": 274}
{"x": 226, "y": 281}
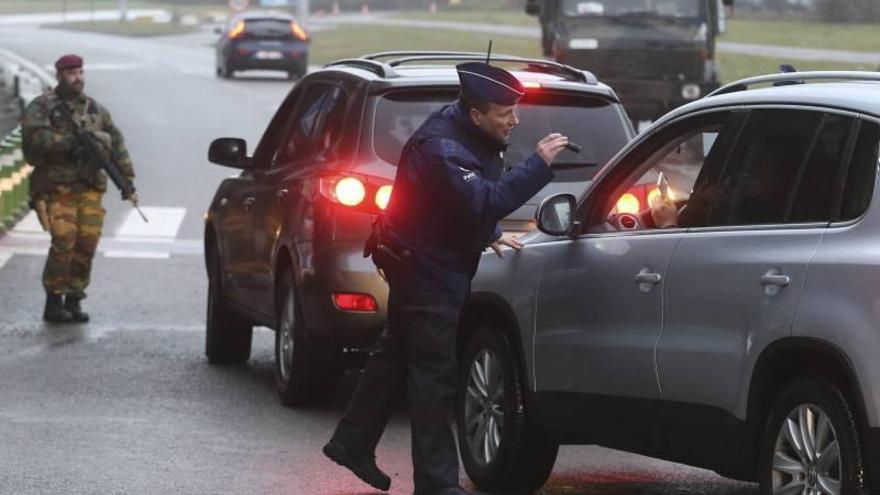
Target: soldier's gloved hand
{"x": 549, "y": 147}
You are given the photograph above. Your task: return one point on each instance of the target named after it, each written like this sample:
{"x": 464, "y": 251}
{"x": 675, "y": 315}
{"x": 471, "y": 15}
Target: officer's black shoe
{"x": 71, "y": 304}
{"x": 364, "y": 467}
{"x": 54, "y": 311}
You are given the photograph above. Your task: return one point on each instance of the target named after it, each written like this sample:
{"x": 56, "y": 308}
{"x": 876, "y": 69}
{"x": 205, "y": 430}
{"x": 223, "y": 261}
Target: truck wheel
{"x": 500, "y": 449}
{"x": 811, "y": 443}
{"x": 306, "y": 370}
{"x": 228, "y": 335}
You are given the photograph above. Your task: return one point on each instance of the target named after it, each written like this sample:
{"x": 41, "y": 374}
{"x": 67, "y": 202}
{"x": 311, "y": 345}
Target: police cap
{"x": 69, "y": 61}
{"x": 489, "y": 83}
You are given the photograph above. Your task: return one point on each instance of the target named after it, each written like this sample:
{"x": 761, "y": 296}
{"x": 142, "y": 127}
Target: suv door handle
{"x": 773, "y": 277}
{"x": 282, "y": 194}
{"x": 647, "y": 279}
{"x": 249, "y": 202}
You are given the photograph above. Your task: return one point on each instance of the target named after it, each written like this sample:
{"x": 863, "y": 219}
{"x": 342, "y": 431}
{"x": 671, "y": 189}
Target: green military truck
{"x": 656, "y": 54}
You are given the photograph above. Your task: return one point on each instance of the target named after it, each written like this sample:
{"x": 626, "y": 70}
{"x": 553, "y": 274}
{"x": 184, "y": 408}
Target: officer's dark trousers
{"x": 419, "y": 351}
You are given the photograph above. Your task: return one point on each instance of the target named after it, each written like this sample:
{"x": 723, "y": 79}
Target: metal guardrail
{"x": 28, "y": 81}
{"x": 14, "y": 181}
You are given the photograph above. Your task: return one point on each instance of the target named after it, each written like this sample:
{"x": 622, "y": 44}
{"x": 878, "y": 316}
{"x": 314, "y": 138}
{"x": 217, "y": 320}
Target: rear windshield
{"x": 268, "y": 28}
{"x": 593, "y": 123}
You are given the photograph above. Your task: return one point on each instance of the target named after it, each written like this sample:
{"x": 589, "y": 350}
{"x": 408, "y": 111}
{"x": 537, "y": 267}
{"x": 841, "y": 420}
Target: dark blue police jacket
{"x": 449, "y": 192}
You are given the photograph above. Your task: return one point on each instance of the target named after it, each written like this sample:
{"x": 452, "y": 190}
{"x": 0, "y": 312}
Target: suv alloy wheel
{"x": 228, "y": 335}
{"x": 306, "y": 370}
{"x": 499, "y": 448}
{"x": 811, "y": 444}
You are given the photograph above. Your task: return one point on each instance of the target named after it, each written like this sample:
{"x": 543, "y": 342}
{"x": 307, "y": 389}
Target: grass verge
{"x": 57, "y": 6}
{"x": 349, "y": 41}
{"x": 135, "y": 29}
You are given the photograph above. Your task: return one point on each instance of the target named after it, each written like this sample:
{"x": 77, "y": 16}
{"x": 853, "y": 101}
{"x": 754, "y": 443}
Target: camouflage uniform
{"x": 72, "y": 187}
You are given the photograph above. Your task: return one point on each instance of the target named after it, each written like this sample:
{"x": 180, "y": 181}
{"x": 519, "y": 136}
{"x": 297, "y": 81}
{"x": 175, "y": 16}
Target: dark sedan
{"x": 263, "y": 41}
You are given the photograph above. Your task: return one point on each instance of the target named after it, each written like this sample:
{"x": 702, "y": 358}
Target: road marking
{"x": 144, "y": 255}
{"x": 4, "y": 257}
{"x": 164, "y": 223}
{"x": 156, "y": 240}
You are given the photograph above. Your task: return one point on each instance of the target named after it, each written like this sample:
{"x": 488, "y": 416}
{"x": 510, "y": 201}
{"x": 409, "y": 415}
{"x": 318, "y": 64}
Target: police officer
{"x": 449, "y": 195}
{"x": 69, "y": 193}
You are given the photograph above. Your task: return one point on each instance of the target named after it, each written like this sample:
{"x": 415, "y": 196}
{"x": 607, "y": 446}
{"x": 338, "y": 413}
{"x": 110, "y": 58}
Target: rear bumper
{"x": 253, "y": 60}
{"x": 649, "y": 100}
{"x": 341, "y": 267}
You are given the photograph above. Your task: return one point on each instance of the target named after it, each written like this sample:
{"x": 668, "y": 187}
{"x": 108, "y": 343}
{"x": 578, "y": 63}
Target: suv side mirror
{"x": 533, "y": 7}
{"x": 229, "y": 152}
{"x": 554, "y": 215}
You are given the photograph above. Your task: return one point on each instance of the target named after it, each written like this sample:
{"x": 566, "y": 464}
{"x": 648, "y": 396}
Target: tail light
{"x": 369, "y": 194}
{"x": 237, "y": 31}
{"x": 358, "y": 303}
{"x": 638, "y": 198}
{"x": 531, "y": 85}
{"x": 298, "y": 31}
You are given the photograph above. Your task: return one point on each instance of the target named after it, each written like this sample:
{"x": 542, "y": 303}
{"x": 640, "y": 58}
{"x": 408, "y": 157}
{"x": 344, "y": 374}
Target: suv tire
{"x": 306, "y": 370}
{"x": 228, "y": 335}
{"x": 821, "y": 406}
{"x": 491, "y": 395}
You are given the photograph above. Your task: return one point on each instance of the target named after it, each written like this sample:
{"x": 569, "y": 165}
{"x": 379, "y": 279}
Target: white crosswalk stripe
{"x": 155, "y": 240}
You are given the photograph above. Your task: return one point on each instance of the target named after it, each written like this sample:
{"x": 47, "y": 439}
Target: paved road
{"x": 127, "y": 404}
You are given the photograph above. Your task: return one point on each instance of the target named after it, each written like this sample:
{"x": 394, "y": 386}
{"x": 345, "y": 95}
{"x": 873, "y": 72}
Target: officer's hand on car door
{"x": 551, "y": 146}
{"x": 506, "y": 240}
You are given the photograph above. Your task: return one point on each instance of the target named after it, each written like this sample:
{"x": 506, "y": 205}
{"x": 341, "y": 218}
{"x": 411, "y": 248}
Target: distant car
{"x": 262, "y": 41}
{"x": 744, "y": 339}
{"x": 284, "y": 239}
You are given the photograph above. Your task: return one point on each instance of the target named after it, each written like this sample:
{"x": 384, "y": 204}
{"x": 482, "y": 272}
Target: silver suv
{"x": 743, "y": 339}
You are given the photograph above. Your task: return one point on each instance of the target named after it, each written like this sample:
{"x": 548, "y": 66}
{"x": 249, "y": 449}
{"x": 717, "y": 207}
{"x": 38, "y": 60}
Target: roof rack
{"x": 411, "y": 53}
{"x": 533, "y": 64}
{"x": 796, "y": 77}
{"x": 378, "y": 68}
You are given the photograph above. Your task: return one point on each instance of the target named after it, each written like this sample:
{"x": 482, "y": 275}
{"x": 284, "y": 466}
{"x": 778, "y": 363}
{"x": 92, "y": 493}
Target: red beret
{"x": 69, "y": 62}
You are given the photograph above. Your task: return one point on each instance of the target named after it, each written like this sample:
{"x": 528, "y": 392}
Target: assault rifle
{"x": 94, "y": 156}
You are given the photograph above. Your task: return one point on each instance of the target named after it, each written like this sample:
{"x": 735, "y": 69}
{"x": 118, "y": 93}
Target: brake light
{"x": 237, "y": 31}
{"x": 383, "y": 195}
{"x": 532, "y": 85}
{"x": 298, "y": 31}
{"x": 350, "y": 191}
{"x": 653, "y": 196}
{"x": 360, "y": 303}
{"x": 629, "y": 203}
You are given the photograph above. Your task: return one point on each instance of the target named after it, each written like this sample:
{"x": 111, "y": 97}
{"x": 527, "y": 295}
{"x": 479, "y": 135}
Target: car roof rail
{"x": 378, "y": 68}
{"x": 796, "y": 77}
{"x": 537, "y": 65}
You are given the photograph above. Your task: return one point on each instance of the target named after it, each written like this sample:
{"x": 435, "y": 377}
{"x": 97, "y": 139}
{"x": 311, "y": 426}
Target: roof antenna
{"x": 489, "y": 53}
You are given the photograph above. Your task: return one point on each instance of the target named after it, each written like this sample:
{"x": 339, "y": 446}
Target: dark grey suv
{"x": 284, "y": 238}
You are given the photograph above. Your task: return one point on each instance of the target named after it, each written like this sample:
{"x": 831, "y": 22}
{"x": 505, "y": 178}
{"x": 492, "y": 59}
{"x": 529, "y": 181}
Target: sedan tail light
{"x": 298, "y": 31}
{"x": 237, "y": 31}
{"x": 369, "y": 194}
{"x": 637, "y": 198}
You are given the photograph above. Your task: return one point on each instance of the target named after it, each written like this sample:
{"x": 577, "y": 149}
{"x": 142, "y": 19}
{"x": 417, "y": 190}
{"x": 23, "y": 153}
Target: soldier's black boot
{"x": 71, "y": 304}
{"x": 363, "y": 466}
{"x": 55, "y": 312}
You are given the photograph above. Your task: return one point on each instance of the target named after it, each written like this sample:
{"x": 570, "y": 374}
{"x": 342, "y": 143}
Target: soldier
{"x": 449, "y": 196}
{"x": 67, "y": 187}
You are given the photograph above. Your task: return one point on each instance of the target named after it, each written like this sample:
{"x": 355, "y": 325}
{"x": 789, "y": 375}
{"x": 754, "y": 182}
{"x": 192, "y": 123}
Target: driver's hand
{"x": 506, "y": 240}
{"x": 664, "y": 213}
{"x": 551, "y": 146}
